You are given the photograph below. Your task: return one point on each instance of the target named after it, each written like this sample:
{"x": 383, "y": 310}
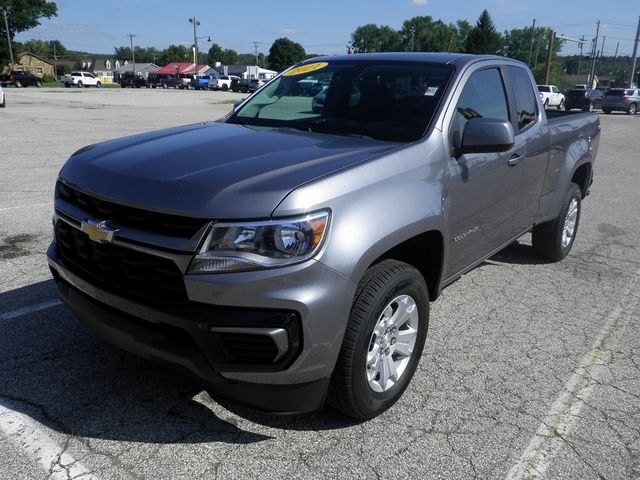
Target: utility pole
{"x": 6, "y": 12}
{"x": 55, "y": 61}
{"x": 635, "y": 54}
{"x": 533, "y": 35}
{"x": 547, "y": 71}
{"x": 592, "y": 71}
{"x": 599, "y": 56}
{"x": 196, "y": 24}
{"x": 133, "y": 54}
{"x": 535, "y": 62}
{"x": 580, "y": 59}
{"x": 255, "y": 50}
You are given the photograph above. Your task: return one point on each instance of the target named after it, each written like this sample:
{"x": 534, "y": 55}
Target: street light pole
{"x": 195, "y": 23}
{"x": 6, "y": 11}
{"x": 133, "y": 54}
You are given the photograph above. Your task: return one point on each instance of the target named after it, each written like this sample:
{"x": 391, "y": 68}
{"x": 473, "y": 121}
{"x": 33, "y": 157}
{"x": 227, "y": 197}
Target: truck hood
{"x": 213, "y": 170}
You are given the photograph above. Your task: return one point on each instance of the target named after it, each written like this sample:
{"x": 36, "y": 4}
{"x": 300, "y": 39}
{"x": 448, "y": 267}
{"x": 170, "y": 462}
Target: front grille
{"x": 129, "y": 273}
{"x": 123, "y": 216}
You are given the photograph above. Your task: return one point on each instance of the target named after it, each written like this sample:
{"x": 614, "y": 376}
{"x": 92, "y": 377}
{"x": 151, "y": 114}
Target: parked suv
{"x": 20, "y": 79}
{"x": 128, "y": 79}
{"x": 585, "y": 100}
{"x": 622, "y": 100}
{"x": 551, "y": 96}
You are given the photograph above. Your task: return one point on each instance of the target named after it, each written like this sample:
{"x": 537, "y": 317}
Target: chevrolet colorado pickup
{"x": 286, "y": 257}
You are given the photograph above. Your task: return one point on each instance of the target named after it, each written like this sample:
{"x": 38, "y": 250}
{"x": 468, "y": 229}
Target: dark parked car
{"x": 622, "y": 100}
{"x": 162, "y": 81}
{"x": 128, "y": 79}
{"x": 20, "y": 79}
{"x": 240, "y": 85}
{"x": 584, "y": 99}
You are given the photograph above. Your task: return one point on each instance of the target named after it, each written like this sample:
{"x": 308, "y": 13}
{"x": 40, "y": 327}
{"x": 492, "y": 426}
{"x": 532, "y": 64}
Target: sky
{"x": 322, "y": 27}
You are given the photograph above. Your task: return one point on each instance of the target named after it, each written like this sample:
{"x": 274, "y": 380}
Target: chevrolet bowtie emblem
{"x": 99, "y": 232}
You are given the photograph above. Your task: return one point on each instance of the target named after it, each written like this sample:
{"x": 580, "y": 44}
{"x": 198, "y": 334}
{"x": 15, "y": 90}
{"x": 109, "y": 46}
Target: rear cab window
{"x": 526, "y": 103}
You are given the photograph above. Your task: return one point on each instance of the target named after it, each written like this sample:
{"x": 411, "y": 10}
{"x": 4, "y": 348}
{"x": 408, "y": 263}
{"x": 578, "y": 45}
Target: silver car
{"x": 622, "y": 100}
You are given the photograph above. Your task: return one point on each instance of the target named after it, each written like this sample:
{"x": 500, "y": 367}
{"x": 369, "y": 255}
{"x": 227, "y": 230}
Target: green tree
{"x": 24, "y": 15}
{"x": 175, "y": 53}
{"x": 374, "y": 38}
{"x": 423, "y": 34}
{"x": 483, "y": 38}
{"x": 463, "y": 28}
{"x": 522, "y": 43}
{"x": 284, "y": 53}
{"x": 229, "y": 57}
{"x": 215, "y": 54}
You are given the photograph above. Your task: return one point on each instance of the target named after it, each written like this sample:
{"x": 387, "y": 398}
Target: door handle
{"x": 514, "y": 160}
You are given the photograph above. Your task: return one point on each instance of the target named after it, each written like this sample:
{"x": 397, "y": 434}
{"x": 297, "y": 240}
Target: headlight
{"x": 233, "y": 247}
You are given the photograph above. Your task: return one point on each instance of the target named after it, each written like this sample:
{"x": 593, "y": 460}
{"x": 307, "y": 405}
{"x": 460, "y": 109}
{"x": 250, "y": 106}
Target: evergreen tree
{"x": 484, "y": 38}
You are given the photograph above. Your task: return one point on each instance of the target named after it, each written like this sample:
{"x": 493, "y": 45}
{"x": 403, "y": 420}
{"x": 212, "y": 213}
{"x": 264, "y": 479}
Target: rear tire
{"x": 383, "y": 340}
{"x": 606, "y": 110}
{"x": 18, "y": 84}
{"x": 553, "y": 240}
{"x": 224, "y": 87}
{"x": 561, "y": 105}
{"x": 38, "y": 84}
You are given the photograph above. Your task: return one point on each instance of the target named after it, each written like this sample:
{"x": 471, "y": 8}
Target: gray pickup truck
{"x": 285, "y": 255}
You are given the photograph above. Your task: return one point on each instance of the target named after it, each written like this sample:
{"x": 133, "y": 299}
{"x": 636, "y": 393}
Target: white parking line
{"x": 25, "y": 206}
{"x": 565, "y": 411}
{"x": 31, "y": 438}
{"x": 30, "y": 309}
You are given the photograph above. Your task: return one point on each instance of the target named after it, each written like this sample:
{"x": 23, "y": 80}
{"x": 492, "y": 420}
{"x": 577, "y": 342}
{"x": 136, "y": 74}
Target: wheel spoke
{"x": 373, "y": 355}
{"x": 404, "y": 312}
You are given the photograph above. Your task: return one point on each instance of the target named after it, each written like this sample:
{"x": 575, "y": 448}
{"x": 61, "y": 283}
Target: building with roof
{"x": 34, "y": 64}
{"x": 143, "y": 69}
{"x": 181, "y": 69}
{"x": 246, "y": 71}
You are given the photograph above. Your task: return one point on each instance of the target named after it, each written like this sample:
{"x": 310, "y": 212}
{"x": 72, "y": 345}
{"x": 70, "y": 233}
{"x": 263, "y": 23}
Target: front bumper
{"x": 309, "y": 301}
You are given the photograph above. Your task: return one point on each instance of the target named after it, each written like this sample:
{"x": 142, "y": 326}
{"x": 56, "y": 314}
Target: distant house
{"x": 143, "y": 69}
{"x": 246, "y": 71}
{"x": 34, "y": 64}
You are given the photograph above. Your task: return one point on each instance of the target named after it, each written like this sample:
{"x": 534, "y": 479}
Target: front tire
{"x": 79, "y": 84}
{"x": 633, "y": 108}
{"x": 553, "y": 240}
{"x": 98, "y": 84}
{"x": 383, "y": 341}
{"x": 561, "y": 105}
{"x": 18, "y": 84}
{"x": 38, "y": 84}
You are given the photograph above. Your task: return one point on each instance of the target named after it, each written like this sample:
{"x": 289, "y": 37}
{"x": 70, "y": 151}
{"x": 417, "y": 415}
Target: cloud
{"x": 289, "y": 31}
{"x": 419, "y": 2}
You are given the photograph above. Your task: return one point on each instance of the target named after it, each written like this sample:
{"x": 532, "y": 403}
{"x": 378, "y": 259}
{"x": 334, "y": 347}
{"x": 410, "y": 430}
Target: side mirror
{"x": 486, "y": 135}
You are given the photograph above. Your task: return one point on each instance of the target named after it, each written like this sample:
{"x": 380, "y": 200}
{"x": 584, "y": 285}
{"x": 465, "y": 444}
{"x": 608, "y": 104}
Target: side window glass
{"x": 526, "y": 102}
{"x": 483, "y": 97}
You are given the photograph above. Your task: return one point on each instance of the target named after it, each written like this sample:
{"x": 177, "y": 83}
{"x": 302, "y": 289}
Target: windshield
{"x": 384, "y": 100}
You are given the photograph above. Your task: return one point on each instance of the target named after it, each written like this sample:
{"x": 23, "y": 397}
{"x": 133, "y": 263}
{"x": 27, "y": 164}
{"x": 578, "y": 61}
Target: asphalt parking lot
{"x": 530, "y": 370}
